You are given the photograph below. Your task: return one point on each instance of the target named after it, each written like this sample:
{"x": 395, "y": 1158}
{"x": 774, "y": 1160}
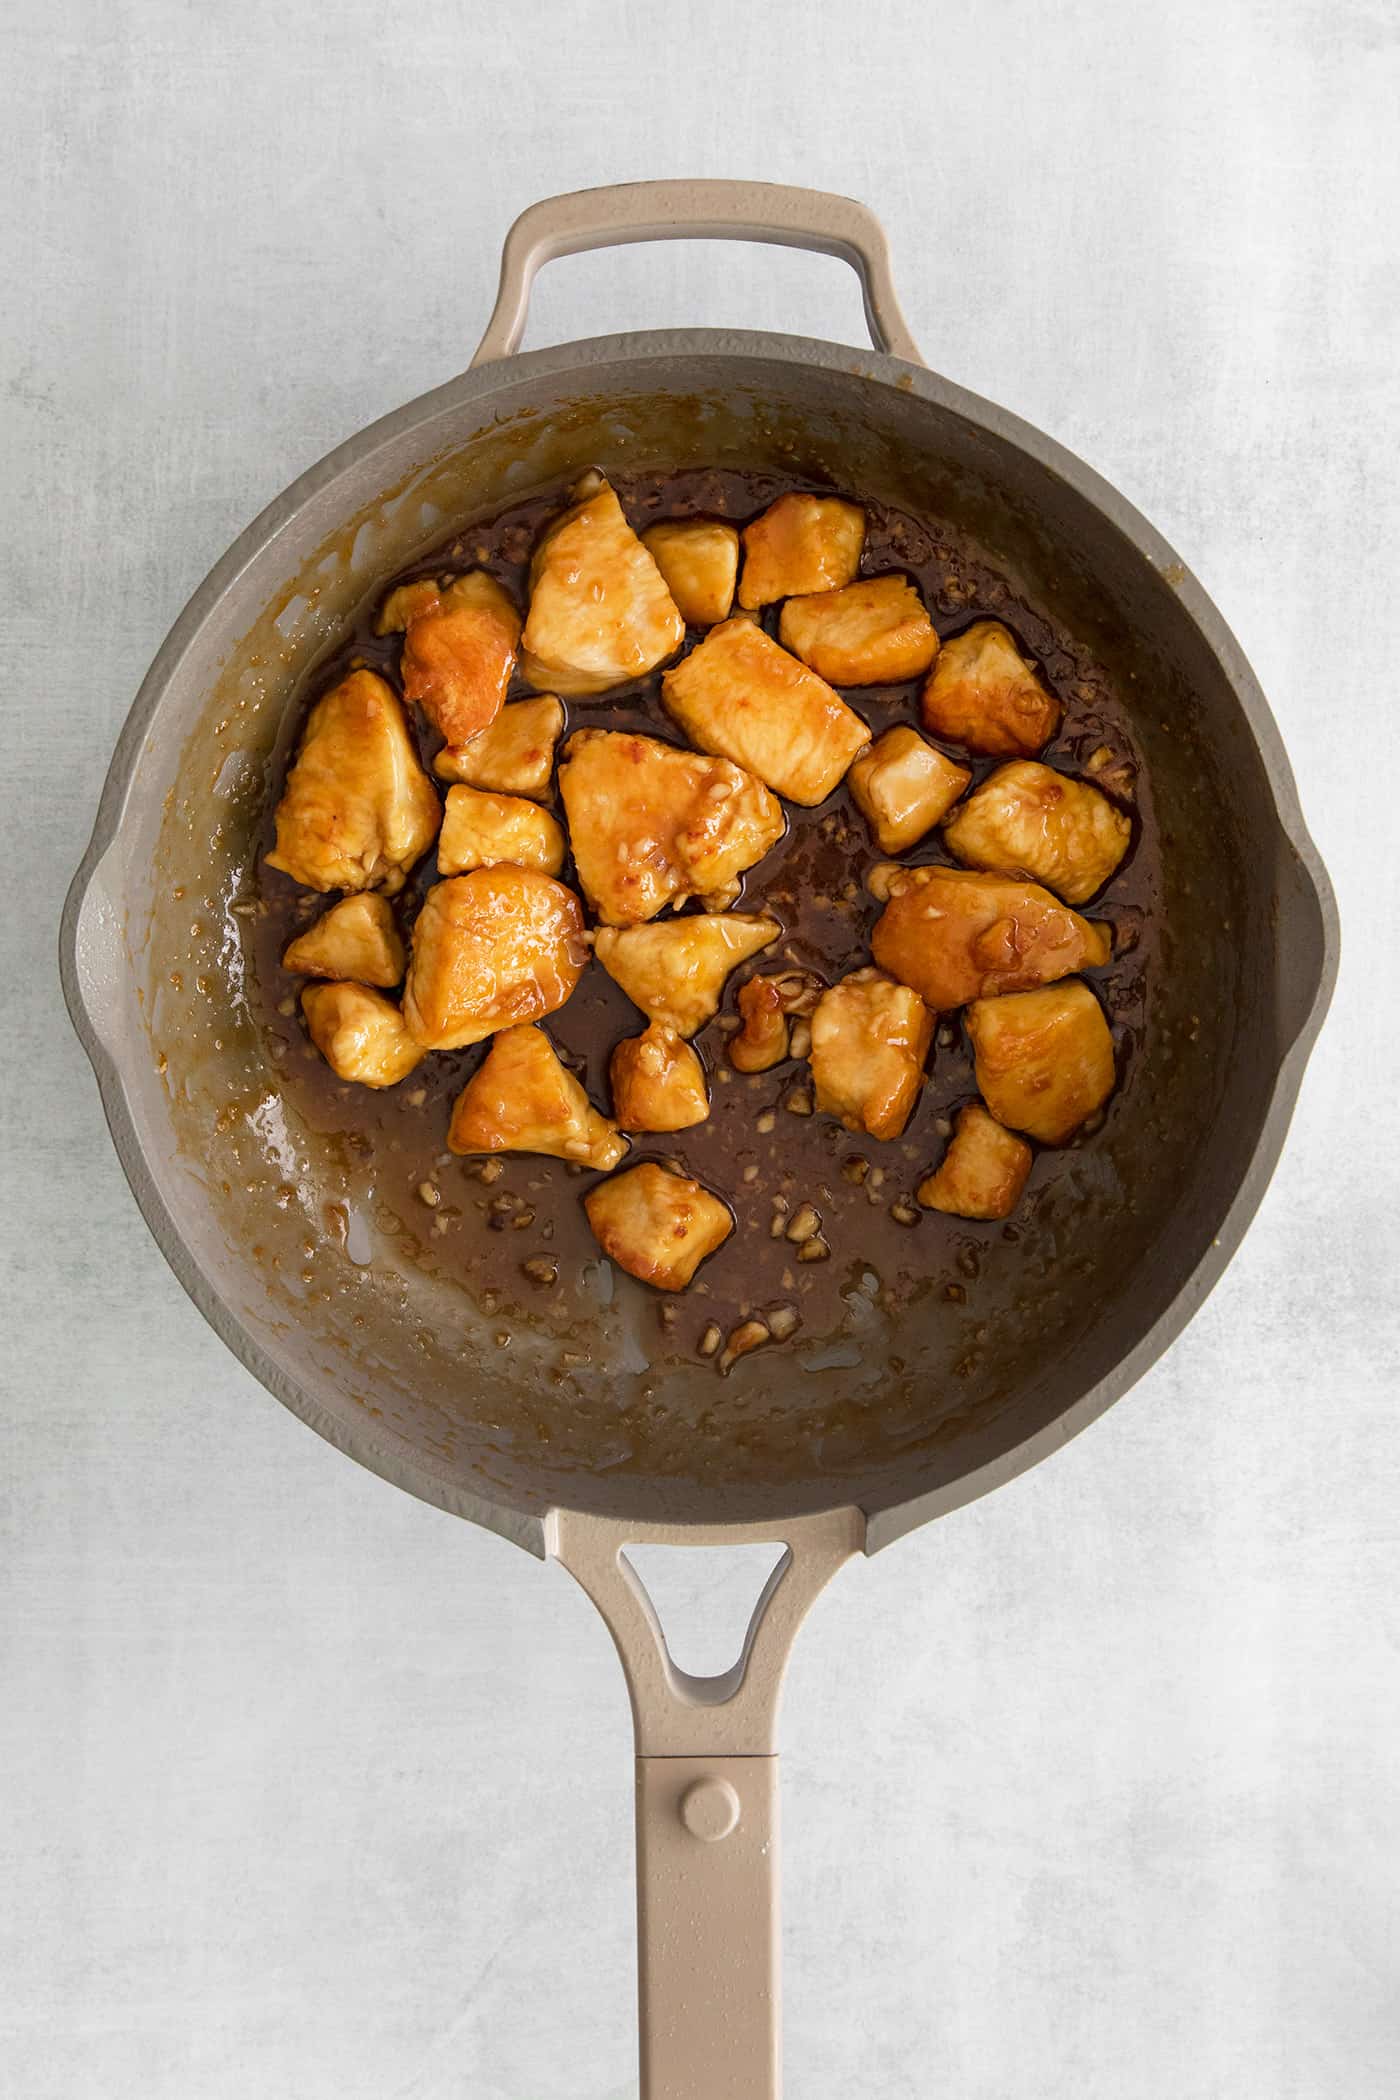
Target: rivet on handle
{"x": 710, "y": 1809}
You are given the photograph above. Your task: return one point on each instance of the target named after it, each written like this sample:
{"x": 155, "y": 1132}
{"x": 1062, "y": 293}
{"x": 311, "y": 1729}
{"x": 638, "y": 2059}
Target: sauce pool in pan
{"x": 511, "y": 1228}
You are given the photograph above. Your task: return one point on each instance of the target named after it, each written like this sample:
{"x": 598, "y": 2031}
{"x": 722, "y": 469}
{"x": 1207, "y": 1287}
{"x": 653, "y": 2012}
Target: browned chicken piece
{"x": 405, "y": 602}
{"x": 522, "y": 1098}
{"x": 658, "y": 1082}
{"x": 739, "y": 694}
{"x": 676, "y": 971}
{"x": 600, "y": 613}
{"x": 983, "y": 694}
{"x": 656, "y": 1225}
{"x": 799, "y": 545}
{"x": 459, "y": 646}
{"x": 515, "y": 756}
{"x": 481, "y": 830}
{"x": 1044, "y": 1059}
{"x": 651, "y": 825}
{"x": 983, "y": 1171}
{"x": 1028, "y": 819}
{"x": 876, "y": 632}
{"x": 870, "y": 1037}
{"x": 355, "y": 940}
{"x": 360, "y": 1034}
{"x": 766, "y": 1007}
{"x": 699, "y": 563}
{"x": 492, "y": 948}
{"x": 953, "y": 935}
{"x": 902, "y": 786}
{"x": 357, "y": 810}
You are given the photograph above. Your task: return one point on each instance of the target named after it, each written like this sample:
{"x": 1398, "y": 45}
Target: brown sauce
{"x": 518, "y": 1240}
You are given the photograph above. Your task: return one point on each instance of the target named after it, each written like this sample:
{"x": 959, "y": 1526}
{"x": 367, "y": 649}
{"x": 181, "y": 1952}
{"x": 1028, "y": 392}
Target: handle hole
{"x": 717, "y": 284}
{"x": 704, "y": 1598}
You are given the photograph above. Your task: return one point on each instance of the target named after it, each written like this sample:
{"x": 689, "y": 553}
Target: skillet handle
{"x": 708, "y": 1984}
{"x": 696, "y": 211}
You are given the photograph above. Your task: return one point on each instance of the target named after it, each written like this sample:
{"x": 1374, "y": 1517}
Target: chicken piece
{"x": 405, "y": 602}
{"x": 765, "y": 1007}
{"x": 1044, "y": 1059}
{"x": 355, "y": 940}
{"x": 521, "y": 1098}
{"x": 492, "y": 948}
{"x": 953, "y": 935}
{"x": 739, "y": 694}
{"x": 765, "y": 1038}
{"x": 870, "y": 1037}
{"x": 360, "y": 1034}
{"x": 357, "y": 810}
{"x": 983, "y": 1171}
{"x": 799, "y": 545}
{"x": 656, "y": 1225}
{"x": 600, "y": 614}
{"x": 1027, "y": 819}
{"x": 651, "y": 825}
{"x": 698, "y": 564}
{"x": 903, "y": 786}
{"x": 459, "y": 645}
{"x": 982, "y": 694}
{"x": 480, "y": 830}
{"x": 515, "y": 756}
{"x": 658, "y": 1082}
{"x": 676, "y": 972}
{"x": 877, "y": 632}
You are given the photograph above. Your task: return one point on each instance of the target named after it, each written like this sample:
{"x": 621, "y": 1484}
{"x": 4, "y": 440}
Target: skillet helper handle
{"x": 696, "y": 211}
{"x": 708, "y": 1978}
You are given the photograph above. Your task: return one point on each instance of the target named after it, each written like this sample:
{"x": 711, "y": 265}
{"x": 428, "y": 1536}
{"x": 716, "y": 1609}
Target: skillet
{"x": 390, "y": 1362}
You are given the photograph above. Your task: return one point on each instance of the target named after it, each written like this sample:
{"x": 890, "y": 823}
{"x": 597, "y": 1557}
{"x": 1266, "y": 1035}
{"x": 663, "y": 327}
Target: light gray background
{"x": 1091, "y": 1789}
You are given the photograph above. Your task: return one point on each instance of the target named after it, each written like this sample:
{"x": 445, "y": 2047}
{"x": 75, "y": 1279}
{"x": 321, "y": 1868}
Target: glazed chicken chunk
{"x": 799, "y": 545}
{"x": 459, "y": 646}
{"x": 600, "y": 613}
{"x": 360, "y": 1034}
{"x": 954, "y": 935}
{"x": 515, "y": 756}
{"x": 1044, "y": 1059}
{"x": 902, "y": 786}
{"x": 1028, "y": 819}
{"x": 499, "y": 946}
{"x": 658, "y": 1082}
{"x": 877, "y": 632}
{"x": 651, "y": 825}
{"x": 357, "y": 810}
{"x": 480, "y": 830}
{"x": 522, "y": 1098}
{"x": 983, "y": 1171}
{"x": 699, "y": 563}
{"x": 676, "y": 972}
{"x": 983, "y": 694}
{"x": 356, "y": 940}
{"x": 870, "y": 1037}
{"x": 739, "y": 694}
{"x": 767, "y": 1007}
{"x": 657, "y": 1225}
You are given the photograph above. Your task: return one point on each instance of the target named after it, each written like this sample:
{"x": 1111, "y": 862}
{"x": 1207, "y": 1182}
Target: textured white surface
{"x": 1091, "y": 1788}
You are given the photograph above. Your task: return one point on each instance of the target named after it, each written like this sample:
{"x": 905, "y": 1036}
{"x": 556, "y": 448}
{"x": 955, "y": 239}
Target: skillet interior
{"x": 398, "y": 1367}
